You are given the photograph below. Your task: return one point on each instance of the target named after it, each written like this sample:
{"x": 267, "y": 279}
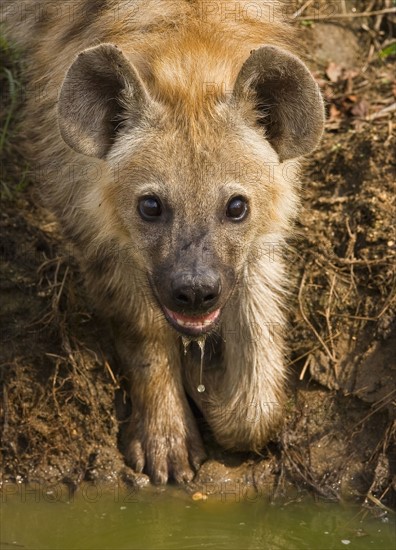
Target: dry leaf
{"x": 334, "y": 112}
{"x": 360, "y": 109}
{"x": 333, "y": 71}
{"x": 334, "y": 120}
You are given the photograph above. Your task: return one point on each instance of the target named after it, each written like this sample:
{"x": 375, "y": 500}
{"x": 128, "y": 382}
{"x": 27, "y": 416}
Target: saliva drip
{"x": 186, "y": 342}
{"x": 201, "y": 343}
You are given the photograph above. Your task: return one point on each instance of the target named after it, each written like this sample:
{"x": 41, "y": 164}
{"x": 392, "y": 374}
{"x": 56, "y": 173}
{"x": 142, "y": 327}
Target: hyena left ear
{"x": 100, "y": 90}
{"x": 287, "y": 98}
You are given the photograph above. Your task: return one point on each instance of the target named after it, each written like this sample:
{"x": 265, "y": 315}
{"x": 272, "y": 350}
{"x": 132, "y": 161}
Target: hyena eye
{"x": 150, "y": 208}
{"x": 237, "y": 208}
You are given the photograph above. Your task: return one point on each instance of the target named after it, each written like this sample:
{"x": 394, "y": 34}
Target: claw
{"x": 183, "y": 476}
{"x": 135, "y": 456}
{"x": 197, "y": 455}
{"x": 165, "y": 456}
{"x": 159, "y": 477}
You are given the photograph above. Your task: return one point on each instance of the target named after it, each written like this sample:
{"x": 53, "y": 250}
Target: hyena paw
{"x": 165, "y": 457}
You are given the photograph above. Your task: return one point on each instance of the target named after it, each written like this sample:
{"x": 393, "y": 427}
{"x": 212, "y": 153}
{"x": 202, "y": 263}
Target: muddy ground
{"x": 64, "y": 401}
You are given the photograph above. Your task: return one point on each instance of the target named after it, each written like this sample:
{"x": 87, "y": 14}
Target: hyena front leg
{"x": 244, "y": 396}
{"x": 162, "y": 436}
{"x": 250, "y": 390}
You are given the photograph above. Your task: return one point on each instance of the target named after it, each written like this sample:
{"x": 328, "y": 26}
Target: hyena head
{"x": 199, "y": 179}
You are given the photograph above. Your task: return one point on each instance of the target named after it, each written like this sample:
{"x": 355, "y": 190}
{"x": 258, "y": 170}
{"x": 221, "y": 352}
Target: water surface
{"x": 39, "y": 517}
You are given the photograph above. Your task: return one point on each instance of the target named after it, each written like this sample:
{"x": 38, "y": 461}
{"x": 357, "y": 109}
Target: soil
{"x": 63, "y": 399}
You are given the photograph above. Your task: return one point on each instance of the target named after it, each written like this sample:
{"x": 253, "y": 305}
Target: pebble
{"x": 199, "y": 496}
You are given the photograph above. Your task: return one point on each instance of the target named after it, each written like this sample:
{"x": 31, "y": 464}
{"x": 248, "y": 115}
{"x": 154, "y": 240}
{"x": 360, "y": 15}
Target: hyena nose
{"x": 196, "y": 293}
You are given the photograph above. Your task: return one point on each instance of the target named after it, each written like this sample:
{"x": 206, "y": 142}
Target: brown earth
{"x": 63, "y": 400}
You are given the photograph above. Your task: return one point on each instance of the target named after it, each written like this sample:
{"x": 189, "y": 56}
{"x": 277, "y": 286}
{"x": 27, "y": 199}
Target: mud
{"x": 63, "y": 400}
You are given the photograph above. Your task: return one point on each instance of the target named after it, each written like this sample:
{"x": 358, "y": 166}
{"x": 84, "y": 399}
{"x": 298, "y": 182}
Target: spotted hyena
{"x": 167, "y": 133}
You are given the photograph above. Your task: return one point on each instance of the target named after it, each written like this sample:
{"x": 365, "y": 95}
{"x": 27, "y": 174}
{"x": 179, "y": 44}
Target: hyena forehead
{"x": 167, "y": 160}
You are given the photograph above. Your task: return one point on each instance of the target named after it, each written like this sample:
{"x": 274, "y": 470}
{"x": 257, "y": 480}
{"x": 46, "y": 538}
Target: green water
{"x": 96, "y": 518}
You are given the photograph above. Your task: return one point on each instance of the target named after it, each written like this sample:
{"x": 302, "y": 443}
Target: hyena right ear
{"x": 100, "y": 90}
{"x": 287, "y": 99}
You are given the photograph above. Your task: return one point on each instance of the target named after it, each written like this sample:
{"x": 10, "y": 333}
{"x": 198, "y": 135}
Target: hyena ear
{"x": 100, "y": 90}
{"x": 288, "y": 100}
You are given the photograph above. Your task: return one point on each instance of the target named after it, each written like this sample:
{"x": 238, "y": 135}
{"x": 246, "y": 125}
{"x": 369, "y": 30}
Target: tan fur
{"x": 194, "y": 141}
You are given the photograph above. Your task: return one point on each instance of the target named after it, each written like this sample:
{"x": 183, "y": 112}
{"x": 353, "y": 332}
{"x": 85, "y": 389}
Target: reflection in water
{"x": 35, "y": 517}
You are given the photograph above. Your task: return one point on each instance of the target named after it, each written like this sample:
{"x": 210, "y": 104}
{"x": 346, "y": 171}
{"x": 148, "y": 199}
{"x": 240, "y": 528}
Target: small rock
{"x": 199, "y": 496}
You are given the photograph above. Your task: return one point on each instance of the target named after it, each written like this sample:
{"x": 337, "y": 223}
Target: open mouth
{"x": 192, "y": 325}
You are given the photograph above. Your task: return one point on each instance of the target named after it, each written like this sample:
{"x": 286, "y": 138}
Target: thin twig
{"x": 387, "y": 397}
{"x": 306, "y": 475}
{"x": 383, "y": 112}
{"x": 302, "y": 9}
{"x": 58, "y": 296}
{"x": 305, "y": 367}
{"x": 54, "y": 388}
{"x": 328, "y": 314}
{"x": 308, "y": 322}
{"x": 12, "y": 84}
{"x": 112, "y": 376}
{"x": 310, "y": 351}
{"x": 378, "y": 503}
{"x": 347, "y": 15}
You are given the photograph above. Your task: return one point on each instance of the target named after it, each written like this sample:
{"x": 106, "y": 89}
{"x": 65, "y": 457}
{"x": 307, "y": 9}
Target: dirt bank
{"x": 63, "y": 400}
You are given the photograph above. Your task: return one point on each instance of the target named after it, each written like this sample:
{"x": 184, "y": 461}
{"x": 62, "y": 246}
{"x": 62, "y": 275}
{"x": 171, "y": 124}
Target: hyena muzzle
{"x": 168, "y": 134}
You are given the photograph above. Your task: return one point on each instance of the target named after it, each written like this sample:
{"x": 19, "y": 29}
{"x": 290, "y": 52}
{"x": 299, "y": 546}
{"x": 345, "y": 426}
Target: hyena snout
{"x": 191, "y": 300}
{"x": 195, "y": 293}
